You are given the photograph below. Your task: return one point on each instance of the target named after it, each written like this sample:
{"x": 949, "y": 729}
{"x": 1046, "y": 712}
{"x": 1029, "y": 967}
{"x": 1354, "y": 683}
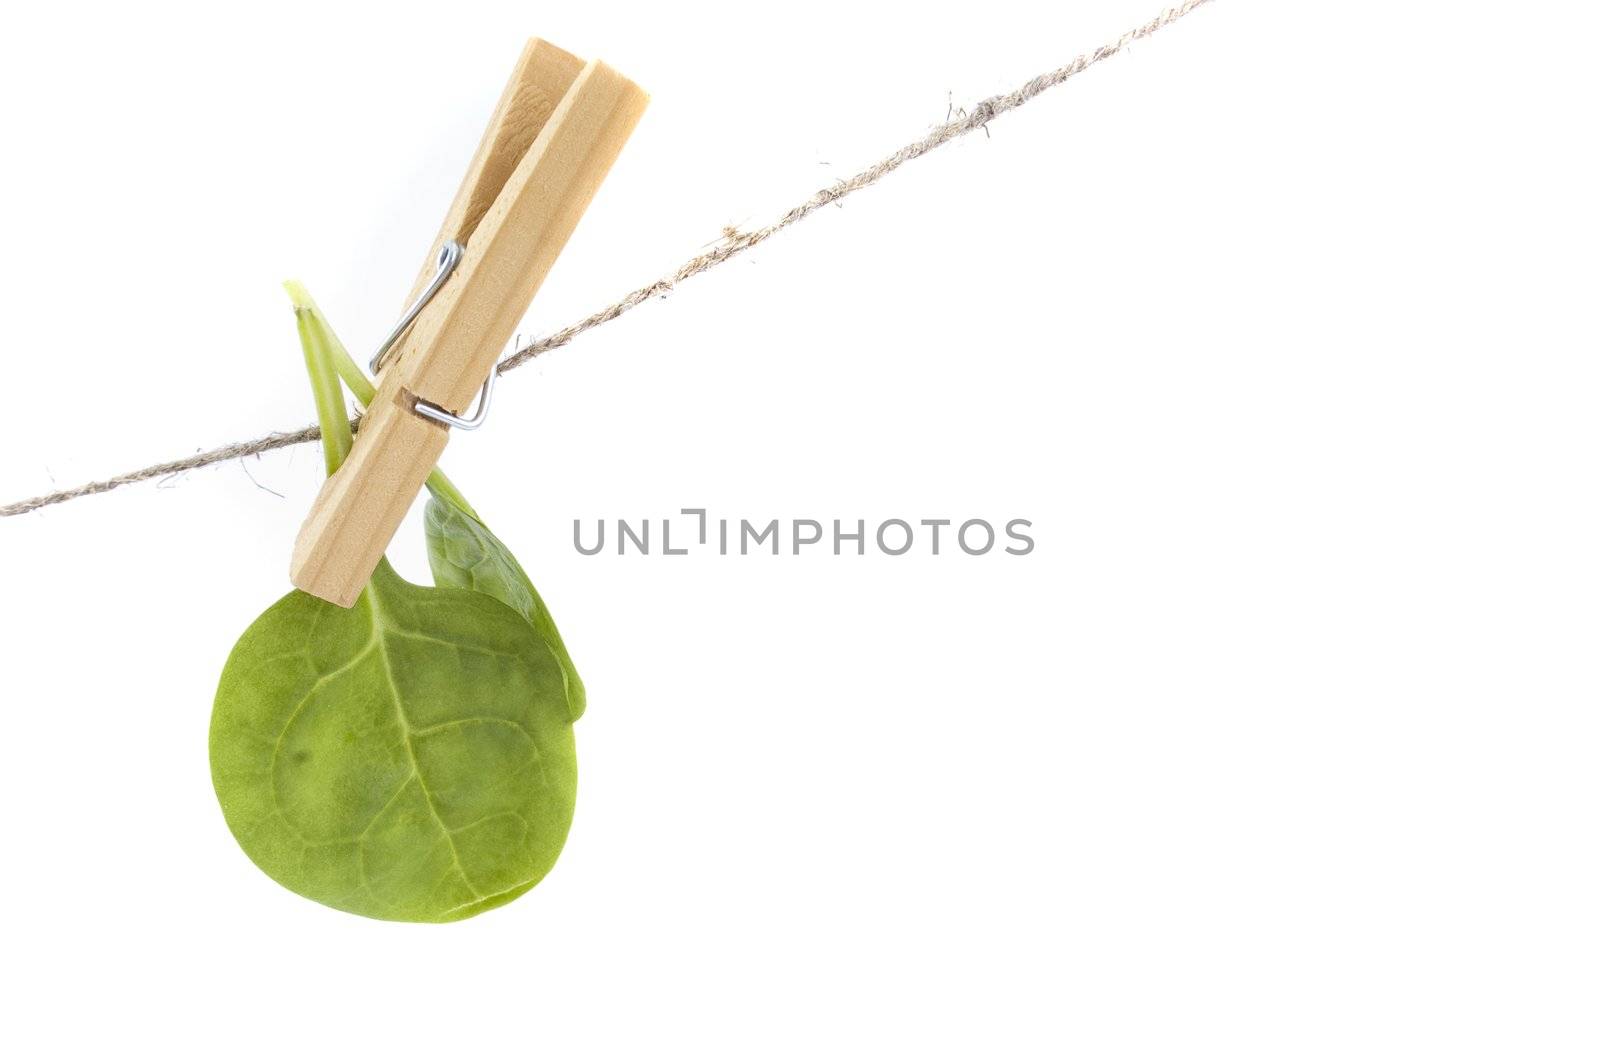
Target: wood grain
{"x": 457, "y": 339}
{"x": 542, "y": 76}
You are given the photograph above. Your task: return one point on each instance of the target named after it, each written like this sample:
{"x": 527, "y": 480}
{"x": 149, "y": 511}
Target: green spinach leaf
{"x": 410, "y": 758}
{"x": 462, "y": 552}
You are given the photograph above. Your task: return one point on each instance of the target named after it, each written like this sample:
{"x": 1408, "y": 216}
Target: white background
{"x": 1280, "y": 747}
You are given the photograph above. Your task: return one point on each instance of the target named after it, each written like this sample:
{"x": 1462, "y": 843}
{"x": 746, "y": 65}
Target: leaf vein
{"x": 411, "y": 750}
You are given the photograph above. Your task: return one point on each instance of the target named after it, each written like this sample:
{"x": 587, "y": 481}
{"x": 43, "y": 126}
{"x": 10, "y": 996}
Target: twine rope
{"x": 734, "y": 242}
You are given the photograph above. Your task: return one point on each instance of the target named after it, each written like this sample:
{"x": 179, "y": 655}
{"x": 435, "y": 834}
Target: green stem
{"x": 331, "y": 412}
{"x": 350, "y": 372}
{"x": 441, "y": 487}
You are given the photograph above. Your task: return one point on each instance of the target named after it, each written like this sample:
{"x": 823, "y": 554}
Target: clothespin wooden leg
{"x": 542, "y": 76}
{"x": 531, "y": 180}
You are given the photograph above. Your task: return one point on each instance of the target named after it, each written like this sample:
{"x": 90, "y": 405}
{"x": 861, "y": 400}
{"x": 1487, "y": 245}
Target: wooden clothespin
{"x": 559, "y": 126}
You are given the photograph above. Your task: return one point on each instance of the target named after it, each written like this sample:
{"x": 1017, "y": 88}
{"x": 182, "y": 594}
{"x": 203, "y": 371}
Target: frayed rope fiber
{"x": 733, "y": 243}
